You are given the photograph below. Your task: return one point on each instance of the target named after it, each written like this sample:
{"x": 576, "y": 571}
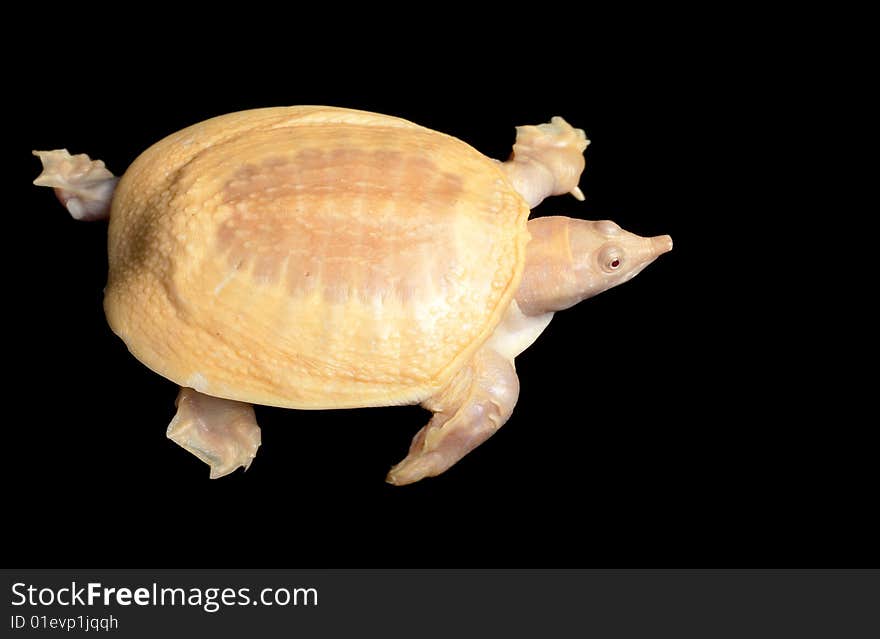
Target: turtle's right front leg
{"x": 221, "y": 432}
{"x": 469, "y": 410}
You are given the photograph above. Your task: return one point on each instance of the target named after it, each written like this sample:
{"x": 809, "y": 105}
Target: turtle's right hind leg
{"x": 84, "y": 186}
{"x": 221, "y": 432}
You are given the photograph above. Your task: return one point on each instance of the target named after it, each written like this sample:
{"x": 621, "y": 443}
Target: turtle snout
{"x": 661, "y": 244}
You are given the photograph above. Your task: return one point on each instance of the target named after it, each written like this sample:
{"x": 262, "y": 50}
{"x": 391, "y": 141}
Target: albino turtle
{"x": 314, "y": 257}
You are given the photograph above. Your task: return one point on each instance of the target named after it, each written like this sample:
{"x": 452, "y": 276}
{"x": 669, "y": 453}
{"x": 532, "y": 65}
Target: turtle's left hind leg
{"x": 84, "y": 186}
{"x": 221, "y": 432}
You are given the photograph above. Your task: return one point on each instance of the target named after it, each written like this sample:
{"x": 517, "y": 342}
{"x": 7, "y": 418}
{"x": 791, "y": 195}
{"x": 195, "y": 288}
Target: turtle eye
{"x": 611, "y": 259}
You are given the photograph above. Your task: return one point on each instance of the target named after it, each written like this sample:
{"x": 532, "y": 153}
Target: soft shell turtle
{"x": 314, "y": 257}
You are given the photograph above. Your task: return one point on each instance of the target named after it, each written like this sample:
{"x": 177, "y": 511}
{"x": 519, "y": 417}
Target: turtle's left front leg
{"x": 547, "y": 159}
{"x": 221, "y": 432}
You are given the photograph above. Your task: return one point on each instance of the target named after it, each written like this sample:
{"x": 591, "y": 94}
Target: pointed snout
{"x": 661, "y": 244}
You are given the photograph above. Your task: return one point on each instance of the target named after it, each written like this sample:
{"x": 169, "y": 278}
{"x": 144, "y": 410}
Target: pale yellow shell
{"x": 312, "y": 257}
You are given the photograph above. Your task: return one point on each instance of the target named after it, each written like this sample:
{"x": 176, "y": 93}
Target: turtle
{"x": 314, "y": 257}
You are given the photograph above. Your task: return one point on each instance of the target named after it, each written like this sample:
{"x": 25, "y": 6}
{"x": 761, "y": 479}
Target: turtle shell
{"x": 312, "y": 257}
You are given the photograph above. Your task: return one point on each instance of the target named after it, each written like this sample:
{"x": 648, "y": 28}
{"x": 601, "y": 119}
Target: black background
{"x": 650, "y": 429}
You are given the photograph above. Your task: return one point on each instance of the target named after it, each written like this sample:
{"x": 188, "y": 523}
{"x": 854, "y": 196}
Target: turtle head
{"x": 606, "y": 255}
{"x": 569, "y": 260}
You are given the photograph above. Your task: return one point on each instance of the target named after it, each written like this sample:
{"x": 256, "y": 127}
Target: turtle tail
{"x": 84, "y": 186}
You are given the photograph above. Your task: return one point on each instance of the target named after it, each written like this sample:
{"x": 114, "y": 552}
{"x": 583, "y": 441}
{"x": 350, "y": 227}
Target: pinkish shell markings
{"x": 265, "y": 232}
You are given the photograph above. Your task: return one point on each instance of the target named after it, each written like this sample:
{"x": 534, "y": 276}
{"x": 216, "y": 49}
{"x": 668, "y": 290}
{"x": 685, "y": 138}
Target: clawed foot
{"x": 221, "y": 432}
{"x": 547, "y": 159}
{"x": 469, "y": 411}
{"x": 84, "y": 186}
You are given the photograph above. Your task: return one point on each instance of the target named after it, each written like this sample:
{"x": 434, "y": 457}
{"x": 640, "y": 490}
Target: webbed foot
{"x": 84, "y": 186}
{"x": 475, "y": 404}
{"x": 222, "y": 433}
{"x": 547, "y": 159}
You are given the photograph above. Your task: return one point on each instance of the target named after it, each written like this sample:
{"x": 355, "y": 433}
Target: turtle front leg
{"x": 221, "y": 432}
{"x": 469, "y": 410}
{"x": 84, "y": 186}
{"x": 547, "y": 159}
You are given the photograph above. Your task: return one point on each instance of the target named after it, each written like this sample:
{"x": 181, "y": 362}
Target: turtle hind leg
{"x": 475, "y": 404}
{"x": 222, "y": 433}
{"x": 84, "y": 186}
